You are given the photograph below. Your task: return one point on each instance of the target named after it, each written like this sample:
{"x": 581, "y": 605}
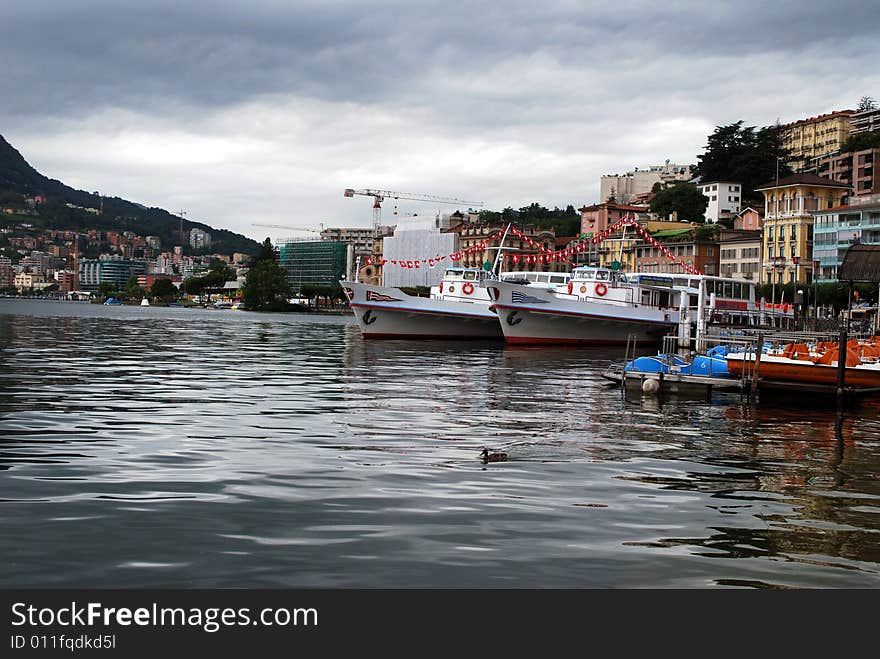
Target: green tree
{"x": 105, "y": 290}
{"x": 744, "y": 155}
{"x": 132, "y": 289}
{"x": 866, "y": 103}
{"x": 266, "y": 287}
{"x": 163, "y": 288}
{"x": 682, "y": 198}
{"x": 861, "y": 142}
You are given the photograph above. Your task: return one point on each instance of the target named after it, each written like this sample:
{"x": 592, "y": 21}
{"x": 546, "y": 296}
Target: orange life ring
{"x": 601, "y": 289}
{"x": 468, "y": 288}
{"x": 570, "y": 286}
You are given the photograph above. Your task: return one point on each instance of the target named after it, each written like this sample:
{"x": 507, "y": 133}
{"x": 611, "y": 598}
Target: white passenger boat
{"x": 602, "y": 306}
{"x": 458, "y": 307}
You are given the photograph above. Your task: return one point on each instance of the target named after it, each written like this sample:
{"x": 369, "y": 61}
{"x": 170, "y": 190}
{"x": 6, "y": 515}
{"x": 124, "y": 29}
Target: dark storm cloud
{"x": 66, "y": 58}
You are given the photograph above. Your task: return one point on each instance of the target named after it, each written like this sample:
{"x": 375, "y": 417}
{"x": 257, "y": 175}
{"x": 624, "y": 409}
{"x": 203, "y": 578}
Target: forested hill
{"x": 18, "y": 178}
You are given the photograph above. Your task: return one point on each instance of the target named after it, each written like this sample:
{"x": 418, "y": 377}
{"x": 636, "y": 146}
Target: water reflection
{"x": 177, "y": 447}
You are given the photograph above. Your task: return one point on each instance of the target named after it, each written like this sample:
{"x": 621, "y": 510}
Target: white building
{"x": 624, "y": 188}
{"x": 199, "y": 239}
{"x": 724, "y": 200}
{"x": 417, "y": 240}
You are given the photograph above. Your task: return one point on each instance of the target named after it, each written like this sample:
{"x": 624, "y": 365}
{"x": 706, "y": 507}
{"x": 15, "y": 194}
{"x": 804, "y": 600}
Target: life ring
{"x": 468, "y": 288}
{"x": 570, "y": 286}
{"x": 583, "y": 289}
{"x": 601, "y": 289}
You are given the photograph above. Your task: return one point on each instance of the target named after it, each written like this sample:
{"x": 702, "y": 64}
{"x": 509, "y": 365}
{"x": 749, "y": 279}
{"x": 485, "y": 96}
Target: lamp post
{"x": 816, "y": 287}
{"x": 776, "y": 264}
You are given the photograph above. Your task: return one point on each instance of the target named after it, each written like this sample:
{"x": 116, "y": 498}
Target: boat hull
{"x": 389, "y": 313}
{"x": 532, "y": 316}
{"x": 804, "y": 371}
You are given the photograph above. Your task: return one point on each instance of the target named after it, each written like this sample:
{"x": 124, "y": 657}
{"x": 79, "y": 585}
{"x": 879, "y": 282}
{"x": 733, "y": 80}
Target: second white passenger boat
{"x": 600, "y": 306}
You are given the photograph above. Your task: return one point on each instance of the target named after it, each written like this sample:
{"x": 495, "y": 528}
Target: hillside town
{"x": 791, "y": 230}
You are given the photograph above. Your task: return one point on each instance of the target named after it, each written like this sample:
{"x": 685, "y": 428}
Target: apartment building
{"x": 835, "y": 229}
{"x": 858, "y": 169}
{"x": 789, "y": 206}
{"x": 815, "y": 137}
{"x": 724, "y": 199}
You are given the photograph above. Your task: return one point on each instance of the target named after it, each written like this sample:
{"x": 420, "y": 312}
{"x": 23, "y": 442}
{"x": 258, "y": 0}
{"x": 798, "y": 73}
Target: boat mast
{"x": 500, "y": 248}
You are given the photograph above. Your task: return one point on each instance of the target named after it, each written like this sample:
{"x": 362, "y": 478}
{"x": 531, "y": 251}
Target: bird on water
{"x": 495, "y": 456}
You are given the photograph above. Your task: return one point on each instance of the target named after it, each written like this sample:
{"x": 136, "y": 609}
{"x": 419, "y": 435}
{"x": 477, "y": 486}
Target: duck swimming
{"x": 496, "y": 456}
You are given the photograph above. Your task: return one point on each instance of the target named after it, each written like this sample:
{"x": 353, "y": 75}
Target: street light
{"x": 816, "y": 287}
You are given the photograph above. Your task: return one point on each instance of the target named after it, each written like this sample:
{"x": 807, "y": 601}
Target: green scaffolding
{"x": 313, "y": 263}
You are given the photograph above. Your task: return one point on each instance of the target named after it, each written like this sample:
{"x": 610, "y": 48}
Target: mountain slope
{"x": 18, "y": 178}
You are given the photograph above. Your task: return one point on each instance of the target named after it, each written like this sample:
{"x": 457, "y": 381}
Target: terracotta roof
{"x": 821, "y": 117}
{"x": 616, "y": 207}
{"x": 803, "y": 179}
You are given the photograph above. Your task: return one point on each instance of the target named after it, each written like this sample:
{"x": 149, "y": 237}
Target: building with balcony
{"x": 835, "y": 229}
{"x": 815, "y": 137}
{"x": 361, "y": 239}
{"x": 789, "y": 206}
{"x": 724, "y": 200}
{"x": 865, "y": 121}
{"x": 859, "y": 169}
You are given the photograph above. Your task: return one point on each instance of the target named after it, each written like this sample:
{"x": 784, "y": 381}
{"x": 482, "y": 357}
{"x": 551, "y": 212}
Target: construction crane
{"x": 287, "y": 226}
{"x": 380, "y": 195}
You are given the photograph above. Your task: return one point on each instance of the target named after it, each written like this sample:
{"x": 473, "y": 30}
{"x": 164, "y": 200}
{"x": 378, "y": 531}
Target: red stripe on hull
{"x": 450, "y": 337}
{"x": 583, "y": 342}
{"x": 590, "y": 316}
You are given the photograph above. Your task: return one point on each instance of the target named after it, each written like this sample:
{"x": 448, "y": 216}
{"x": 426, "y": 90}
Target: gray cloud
{"x": 173, "y": 103}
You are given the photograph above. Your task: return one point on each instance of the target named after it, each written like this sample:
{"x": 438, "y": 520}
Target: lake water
{"x": 192, "y": 448}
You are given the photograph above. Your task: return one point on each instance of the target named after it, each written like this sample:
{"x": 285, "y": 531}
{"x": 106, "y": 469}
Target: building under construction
{"x": 315, "y": 262}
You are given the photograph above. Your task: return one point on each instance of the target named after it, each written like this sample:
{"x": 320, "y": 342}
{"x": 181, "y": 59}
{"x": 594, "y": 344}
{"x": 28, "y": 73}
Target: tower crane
{"x": 288, "y": 226}
{"x": 380, "y": 195}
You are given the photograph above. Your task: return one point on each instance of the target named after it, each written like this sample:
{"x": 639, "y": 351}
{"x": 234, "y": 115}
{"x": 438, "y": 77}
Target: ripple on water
{"x": 161, "y": 447}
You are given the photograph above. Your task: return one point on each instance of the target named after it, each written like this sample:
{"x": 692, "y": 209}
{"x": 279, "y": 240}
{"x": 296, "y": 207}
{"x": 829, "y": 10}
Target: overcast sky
{"x": 249, "y": 111}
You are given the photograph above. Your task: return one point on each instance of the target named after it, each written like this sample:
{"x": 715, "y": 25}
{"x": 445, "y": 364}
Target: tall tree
{"x": 866, "y": 103}
{"x": 742, "y": 154}
{"x": 266, "y": 287}
{"x": 684, "y": 199}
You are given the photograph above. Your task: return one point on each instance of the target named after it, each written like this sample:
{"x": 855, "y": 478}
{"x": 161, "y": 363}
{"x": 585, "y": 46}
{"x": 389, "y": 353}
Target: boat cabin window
{"x": 622, "y": 278}
{"x": 558, "y": 279}
{"x": 453, "y": 273}
{"x": 588, "y": 274}
{"x": 469, "y": 275}
{"x": 602, "y": 275}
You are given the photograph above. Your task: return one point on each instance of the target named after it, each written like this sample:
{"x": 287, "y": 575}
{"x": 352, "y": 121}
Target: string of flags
{"x": 432, "y": 262}
{"x": 546, "y": 256}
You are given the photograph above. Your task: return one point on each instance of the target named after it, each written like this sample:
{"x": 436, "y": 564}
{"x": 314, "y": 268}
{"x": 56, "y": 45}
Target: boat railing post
{"x": 759, "y": 349}
{"x": 841, "y": 365}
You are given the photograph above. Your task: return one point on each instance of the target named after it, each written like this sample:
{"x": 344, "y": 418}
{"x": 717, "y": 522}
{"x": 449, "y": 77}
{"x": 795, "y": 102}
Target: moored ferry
{"x": 603, "y": 306}
{"x": 458, "y": 307}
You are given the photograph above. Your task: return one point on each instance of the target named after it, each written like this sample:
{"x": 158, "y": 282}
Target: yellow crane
{"x": 380, "y": 195}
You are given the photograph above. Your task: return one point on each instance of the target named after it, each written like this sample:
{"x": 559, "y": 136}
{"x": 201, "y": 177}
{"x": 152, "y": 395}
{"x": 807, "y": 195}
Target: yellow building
{"x": 815, "y": 137}
{"x": 787, "y": 243}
